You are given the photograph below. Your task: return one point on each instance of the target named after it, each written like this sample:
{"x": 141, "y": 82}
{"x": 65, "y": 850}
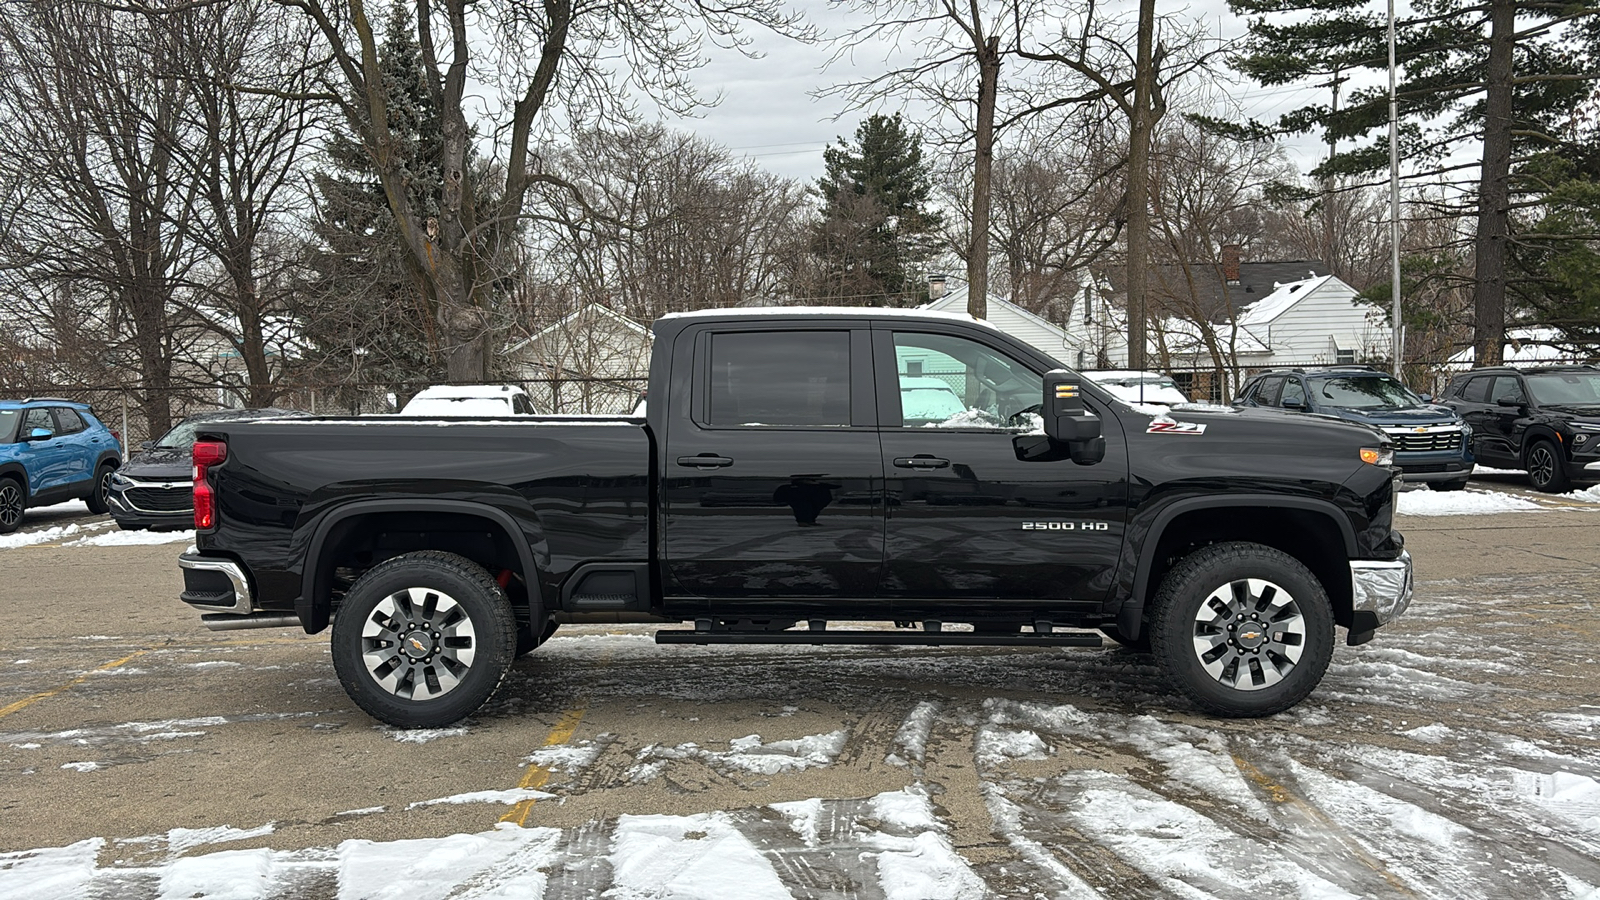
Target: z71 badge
{"x": 1167, "y": 426}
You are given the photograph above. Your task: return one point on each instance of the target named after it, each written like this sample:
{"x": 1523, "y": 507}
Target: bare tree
{"x": 669, "y": 222}
{"x": 102, "y": 244}
{"x": 247, "y": 113}
{"x": 549, "y": 57}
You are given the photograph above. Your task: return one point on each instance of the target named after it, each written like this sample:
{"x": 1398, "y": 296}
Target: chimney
{"x": 1230, "y": 263}
{"x": 936, "y": 287}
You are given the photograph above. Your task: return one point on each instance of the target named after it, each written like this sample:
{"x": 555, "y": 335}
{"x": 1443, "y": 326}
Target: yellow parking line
{"x": 537, "y": 775}
{"x": 29, "y": 701}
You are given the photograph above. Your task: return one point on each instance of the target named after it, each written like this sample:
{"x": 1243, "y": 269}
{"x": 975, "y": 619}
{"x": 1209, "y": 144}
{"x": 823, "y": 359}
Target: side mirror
{"x": 41, "y": 434}
{"x": 1067, "y": 421}
{"x": 147, "y": 445}
{"x": 1426, "y": 398}
{"x": 1510, "y": 402}
{"x": 1295, "y": 404}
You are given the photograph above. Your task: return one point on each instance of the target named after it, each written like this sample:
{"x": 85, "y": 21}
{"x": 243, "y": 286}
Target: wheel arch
{"x": 15, "y": 470}
{"x": 339, "y": 530}
{"x": 1312, "y": 531}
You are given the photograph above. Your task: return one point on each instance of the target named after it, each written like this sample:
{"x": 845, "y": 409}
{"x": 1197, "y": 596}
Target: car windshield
{"x": 181, "y": 437}
{"x": 1560, "y": 388}
{"x": 8, "y": 424}
{"x": 1365, "y": 392}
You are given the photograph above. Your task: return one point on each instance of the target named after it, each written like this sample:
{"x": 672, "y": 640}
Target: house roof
{"x": 1283, "y": 296}
{"x": 1218, "y": 300}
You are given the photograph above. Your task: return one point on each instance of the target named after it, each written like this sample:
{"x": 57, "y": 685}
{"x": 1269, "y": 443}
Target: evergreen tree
{"x": 1505, "y": 71}
{"x": 876, "y": 231}
{"x": 367, "y": 319}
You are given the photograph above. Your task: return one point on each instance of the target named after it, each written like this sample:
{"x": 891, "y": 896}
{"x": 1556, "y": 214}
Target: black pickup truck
{"x": 801, "y": 468}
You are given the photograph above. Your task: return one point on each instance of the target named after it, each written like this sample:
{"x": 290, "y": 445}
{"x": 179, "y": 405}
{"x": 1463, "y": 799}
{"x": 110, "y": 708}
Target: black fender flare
{"x": 16, "y": 470}
{"x": 1130, "y": 618}
{"x": 314, "y": 615}
{"x": 1543, "y": 432}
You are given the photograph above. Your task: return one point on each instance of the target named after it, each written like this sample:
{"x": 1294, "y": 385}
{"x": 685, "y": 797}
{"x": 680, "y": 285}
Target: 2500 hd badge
{"x": 1066, "y": 526}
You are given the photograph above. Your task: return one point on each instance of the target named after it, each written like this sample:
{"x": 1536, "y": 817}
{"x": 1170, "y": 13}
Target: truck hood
{"x": 1209, "y": 414}
{"x": 1416, "y": 415}
{"x": 159, "y": 464}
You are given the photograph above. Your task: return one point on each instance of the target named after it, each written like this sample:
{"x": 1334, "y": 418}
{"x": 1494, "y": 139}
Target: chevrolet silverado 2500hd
{"x": 781, "y": 480}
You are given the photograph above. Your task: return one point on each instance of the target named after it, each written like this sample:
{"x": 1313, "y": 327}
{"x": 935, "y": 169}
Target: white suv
{"x": 1147, "y": 388}
{"x": 470, "y": 400}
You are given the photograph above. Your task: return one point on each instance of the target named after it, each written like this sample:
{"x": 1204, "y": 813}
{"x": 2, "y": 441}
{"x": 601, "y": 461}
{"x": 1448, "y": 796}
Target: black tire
{"x": 1456, "y": 485}
{"x": 13, "y": 503}
{"x": 1545, "y": 470}
{"x": 527, "y": 643}
{"x": 1140, "y": 644}
{"x": 1257, "y": 671}
{"x": 97, "y": 499}
{"x": 442, "y": 605}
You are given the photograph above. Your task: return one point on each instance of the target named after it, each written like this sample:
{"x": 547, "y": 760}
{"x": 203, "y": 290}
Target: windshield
{"x": 8, "y": 424}
{"x": 1547, "y": 388}
{"x": 181, "y": 437}
{"x": 1364, "y": 392}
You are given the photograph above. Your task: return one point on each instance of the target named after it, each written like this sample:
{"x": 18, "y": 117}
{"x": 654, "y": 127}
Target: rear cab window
{"x": 790, "y": 378}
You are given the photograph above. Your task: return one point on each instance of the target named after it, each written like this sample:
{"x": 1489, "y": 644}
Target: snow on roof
{"x": 844, "y": 311}
{"x": 457, "y": 391}
{"x": 1278, "y": 302}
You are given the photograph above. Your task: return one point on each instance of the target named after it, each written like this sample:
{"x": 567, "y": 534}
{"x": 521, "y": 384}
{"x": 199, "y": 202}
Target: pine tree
{"x": 876, "y": 231}
{"x": 1504, "y": 71}
{"x": 366, "y": 319}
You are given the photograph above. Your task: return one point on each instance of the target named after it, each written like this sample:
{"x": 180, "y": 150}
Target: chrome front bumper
{"x": 1381, "y": 587}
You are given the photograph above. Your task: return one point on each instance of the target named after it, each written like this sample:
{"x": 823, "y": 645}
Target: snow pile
{"x": 1589, "y": 495}
{"x": 422, "y": 735}
{"x": 747, "y": 753}
{"x": 501, "y": 863}
{"x": 566, "y": 758}
{"x": 510, "y": 797}
{"x": 1575, "y": 798}
{"x": 1461, "y": 503}
{"x": 29, "y": 538}
{"x": 917, "y": 861}
{"x": 999, "y": 745}
{"x": 701, "y": 856}
{"x": 912, "y": 738}
{"x": 134, "y": 538}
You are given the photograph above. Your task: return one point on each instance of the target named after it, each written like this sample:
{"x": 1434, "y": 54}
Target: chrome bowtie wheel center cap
{"x": 417, "y": 644}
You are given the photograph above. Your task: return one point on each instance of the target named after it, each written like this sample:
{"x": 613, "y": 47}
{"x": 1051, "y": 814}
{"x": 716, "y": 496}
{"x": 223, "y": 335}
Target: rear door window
{"x": 780, "y": 378}
{"x": 1267, "y": 393}
{"x": 67, "y": 420}
{"x": 1476, "y": 390}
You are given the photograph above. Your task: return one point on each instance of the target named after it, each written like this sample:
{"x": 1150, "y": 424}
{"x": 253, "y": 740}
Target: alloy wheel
{"x": 1249, "y": 634}
{"x": 418, "y": 643}
{"x": 1541, "y": 465}
{"x": 10, "y": 505}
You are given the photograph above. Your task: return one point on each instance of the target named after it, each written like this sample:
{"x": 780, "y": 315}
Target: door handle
{"x": 704, "y": 461}
{"x": 921, "y": 461}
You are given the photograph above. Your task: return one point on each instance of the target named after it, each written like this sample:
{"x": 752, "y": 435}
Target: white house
{"x": 1013, "y": 320}
{"x": 593, "y": 360}
{"x": 1310, "y": 322}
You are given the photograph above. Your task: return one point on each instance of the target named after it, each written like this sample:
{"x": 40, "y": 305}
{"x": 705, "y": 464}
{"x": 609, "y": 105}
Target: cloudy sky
{"x": 768, "y": 111}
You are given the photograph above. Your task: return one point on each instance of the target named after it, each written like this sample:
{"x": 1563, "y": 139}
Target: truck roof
{"x": 819, "y": 312}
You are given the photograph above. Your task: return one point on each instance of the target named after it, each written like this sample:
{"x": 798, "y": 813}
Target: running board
{"x": 914, "y": 638}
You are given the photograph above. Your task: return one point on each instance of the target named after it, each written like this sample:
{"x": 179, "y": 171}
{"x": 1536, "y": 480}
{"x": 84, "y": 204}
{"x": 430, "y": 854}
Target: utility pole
{"x": 1394, "y": 207}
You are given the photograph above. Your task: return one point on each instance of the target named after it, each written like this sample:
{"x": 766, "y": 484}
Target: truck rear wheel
{"x": 423, "y": 639}
{"x": 1242, "y": 629}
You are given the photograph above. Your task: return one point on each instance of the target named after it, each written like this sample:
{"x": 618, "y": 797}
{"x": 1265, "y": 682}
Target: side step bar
{"x": 914, "y": 638}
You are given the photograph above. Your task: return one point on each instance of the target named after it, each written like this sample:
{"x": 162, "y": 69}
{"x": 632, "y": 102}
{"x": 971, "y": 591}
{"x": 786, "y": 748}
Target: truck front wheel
{"x": 1243, "y": 629}
{"x": 423, "y": 639}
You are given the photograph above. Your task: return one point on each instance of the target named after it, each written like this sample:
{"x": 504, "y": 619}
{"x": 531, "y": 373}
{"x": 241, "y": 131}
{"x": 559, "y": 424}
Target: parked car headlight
{"x": 119, "y": 480}
{"x": 1377, "y": 456}
{"x": 1585, "y": 426}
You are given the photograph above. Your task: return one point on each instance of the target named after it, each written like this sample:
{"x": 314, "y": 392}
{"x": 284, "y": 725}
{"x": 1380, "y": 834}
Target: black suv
{"x": 1431, "y": 443}
{"x": 1545, "y": 420}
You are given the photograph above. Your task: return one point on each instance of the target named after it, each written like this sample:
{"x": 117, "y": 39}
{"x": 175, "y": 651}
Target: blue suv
{"x": 52, "y": 451}
{"x": 1432, "y": 443}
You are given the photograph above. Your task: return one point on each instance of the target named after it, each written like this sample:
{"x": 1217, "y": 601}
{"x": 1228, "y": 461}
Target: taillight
{"x": 206, "y": 455}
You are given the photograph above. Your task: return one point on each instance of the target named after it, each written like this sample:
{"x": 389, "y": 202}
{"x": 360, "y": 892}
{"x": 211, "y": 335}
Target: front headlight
{"x": 1584, "y": 426}
{"x": 119, "y": 480}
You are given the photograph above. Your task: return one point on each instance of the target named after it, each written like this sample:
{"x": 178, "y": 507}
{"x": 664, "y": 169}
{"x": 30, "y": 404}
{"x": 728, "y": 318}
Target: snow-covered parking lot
{"x": 1457, "y": 755}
